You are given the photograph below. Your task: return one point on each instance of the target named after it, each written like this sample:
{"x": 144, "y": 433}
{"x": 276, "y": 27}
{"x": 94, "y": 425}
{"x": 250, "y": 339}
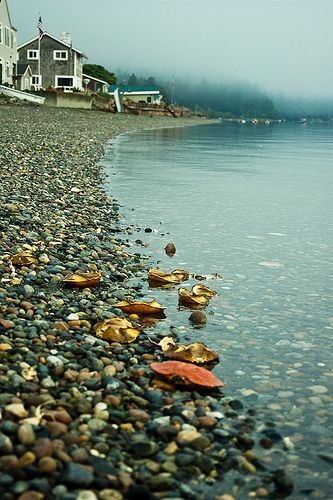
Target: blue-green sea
{"x": 253, "y": 204}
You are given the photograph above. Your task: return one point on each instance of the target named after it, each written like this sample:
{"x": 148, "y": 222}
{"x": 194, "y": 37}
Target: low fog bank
{"x": 290, "y": 107}
{"x": 233, "y": 99}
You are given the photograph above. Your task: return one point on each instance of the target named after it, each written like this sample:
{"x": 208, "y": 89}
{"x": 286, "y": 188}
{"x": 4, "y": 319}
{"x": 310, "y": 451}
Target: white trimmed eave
{"x": 84, "y": 75}
{"x": 57, "y": 40}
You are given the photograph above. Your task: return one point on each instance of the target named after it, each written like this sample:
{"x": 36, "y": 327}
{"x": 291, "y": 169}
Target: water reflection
{"x": 253, "y": 204}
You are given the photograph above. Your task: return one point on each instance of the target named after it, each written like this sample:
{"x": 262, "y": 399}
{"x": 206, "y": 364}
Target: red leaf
{"x": 189, "y": 372}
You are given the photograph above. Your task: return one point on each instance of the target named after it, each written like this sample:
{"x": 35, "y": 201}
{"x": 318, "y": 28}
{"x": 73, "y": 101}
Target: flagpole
{"x": 40, "y": 35}
{"x": 39, "y": 76}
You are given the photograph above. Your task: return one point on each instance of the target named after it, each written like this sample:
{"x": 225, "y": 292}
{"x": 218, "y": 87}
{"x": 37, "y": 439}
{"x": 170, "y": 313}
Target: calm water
{"x": 253, "y": 204}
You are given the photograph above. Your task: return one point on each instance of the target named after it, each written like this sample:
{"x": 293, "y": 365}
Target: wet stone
{"x": 77, "y": 475}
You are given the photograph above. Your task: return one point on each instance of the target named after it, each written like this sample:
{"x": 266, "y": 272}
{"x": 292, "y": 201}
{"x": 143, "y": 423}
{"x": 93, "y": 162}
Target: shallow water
{"x": 253, "y": 204}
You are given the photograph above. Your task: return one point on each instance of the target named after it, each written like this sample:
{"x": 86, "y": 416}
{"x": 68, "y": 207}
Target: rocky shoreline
{"x": 82, "y": 418}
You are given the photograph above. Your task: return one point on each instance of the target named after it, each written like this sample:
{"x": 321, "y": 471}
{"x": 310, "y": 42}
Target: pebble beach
{"x": 80, "y": 417}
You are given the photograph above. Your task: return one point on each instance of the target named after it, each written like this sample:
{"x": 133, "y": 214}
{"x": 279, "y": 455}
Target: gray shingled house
{"x": 54, "y": 62}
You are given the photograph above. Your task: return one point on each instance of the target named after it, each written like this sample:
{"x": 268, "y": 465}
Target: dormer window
{"x": 60, "y": 55}
{"x": 33, "y": 55}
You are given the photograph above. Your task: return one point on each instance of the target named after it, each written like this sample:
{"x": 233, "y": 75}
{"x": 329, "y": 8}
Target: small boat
{"x": 23, "y": 96}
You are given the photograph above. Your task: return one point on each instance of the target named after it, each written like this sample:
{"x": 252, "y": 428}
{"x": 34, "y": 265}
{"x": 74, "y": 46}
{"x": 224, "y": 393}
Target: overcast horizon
{"x": 282, "y": 46}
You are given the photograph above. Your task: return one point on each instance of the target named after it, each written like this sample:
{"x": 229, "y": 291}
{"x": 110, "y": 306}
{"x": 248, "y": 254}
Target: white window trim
{"x": 55, "y": 58}
{"x": 33, "y": 58}
{"x": 39, "y": 84}
{"x": 63, "y": 76}
{"x": 2, "y": 34}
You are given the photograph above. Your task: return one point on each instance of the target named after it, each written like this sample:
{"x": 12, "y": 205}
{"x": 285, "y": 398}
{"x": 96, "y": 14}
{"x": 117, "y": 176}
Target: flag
{"x": 40, "y": 27}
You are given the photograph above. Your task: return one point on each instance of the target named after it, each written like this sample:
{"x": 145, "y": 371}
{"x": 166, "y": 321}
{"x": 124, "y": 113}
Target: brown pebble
{"x": 125, "y": 480}
{"x": 262, "y": 492}
{"x": 26, "y": 305}
{"x": 56, "y": 428}
{"x": 43, "y": 447}
{"x": 27, "y": 458}
{"x": 110, "y": 370}
{"x": 198, "y": 317}
{"x": 139, "y": 415}
{"x": 71, "y": 375}
{"x": 32, "y": 495}
{"x": 148, "y": 357}
{"x": 47, "y": 464}
{"x": 171, "y": 448}
{"x": 170, "y": 249}
{"x": 207, "y": 422}
{"x": 266, "y": 443}
{"x": 74, "y": 324}
{"x": 69, "y": 439}
{"x": 63, "y": 456}
{"x": 5, "y": 347}
{"x": 111, "y": 400}
{"x": 26, "y": 434}
{"x": 60, "y": 326}
{"x": 59, "y": 415}
{"x": 250, "y": 455}
{"x": 6, "y": 323}
{"x": 8, "y": 462}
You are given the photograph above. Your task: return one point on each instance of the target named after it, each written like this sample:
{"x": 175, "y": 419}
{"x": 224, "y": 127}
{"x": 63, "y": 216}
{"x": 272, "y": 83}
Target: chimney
{"x": 65, "y": 37}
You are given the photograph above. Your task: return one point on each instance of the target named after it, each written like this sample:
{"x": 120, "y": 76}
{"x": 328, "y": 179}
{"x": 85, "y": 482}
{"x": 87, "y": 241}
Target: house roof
{"x": 84, "y": 75}
{"x": 57, "y": 40}
{"x": 10, "y": 21}
{"x": 22, "y": 68}
{"x": 135, "y": 89}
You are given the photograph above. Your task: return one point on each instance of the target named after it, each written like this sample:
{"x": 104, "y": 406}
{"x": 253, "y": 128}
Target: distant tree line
{"x": 100, "y": 72}
{"x": 226, "y": 100}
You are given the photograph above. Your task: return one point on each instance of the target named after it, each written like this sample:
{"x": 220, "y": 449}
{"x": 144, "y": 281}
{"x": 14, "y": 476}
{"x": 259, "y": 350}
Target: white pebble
{"x": 73, "y": 317}
{"x": 318, "y": 389}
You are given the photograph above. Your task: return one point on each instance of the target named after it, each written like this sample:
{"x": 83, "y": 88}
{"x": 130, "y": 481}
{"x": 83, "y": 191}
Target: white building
{"x": 8, "y": 46}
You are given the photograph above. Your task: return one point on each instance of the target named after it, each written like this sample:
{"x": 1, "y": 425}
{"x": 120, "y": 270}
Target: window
{"x": 36, "y": 80}
{"x": 7, "y": 36}
{"x": 60, "y": 55}
{"x": 64, "y": 81}
{"x": 1, "y": 35}
{"x": 32, "y": 54}
{"x": 11, "y": 40}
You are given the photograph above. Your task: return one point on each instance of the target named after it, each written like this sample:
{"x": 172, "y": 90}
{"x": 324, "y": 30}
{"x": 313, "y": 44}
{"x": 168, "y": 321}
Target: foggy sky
{"x": 279, "y": 45}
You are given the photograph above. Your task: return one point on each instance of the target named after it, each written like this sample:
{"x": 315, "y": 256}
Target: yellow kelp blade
{"x": 82, "y": 279}
{"x": 140, "y": 308}
{"x": 23, "y": 259}
{"x": 176, "y": 276}
{"x": 196, "y": 352}
{"x": 203, "y": 290}
{"x": 187, "y": 298}
{"x": 117, "y": 330}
